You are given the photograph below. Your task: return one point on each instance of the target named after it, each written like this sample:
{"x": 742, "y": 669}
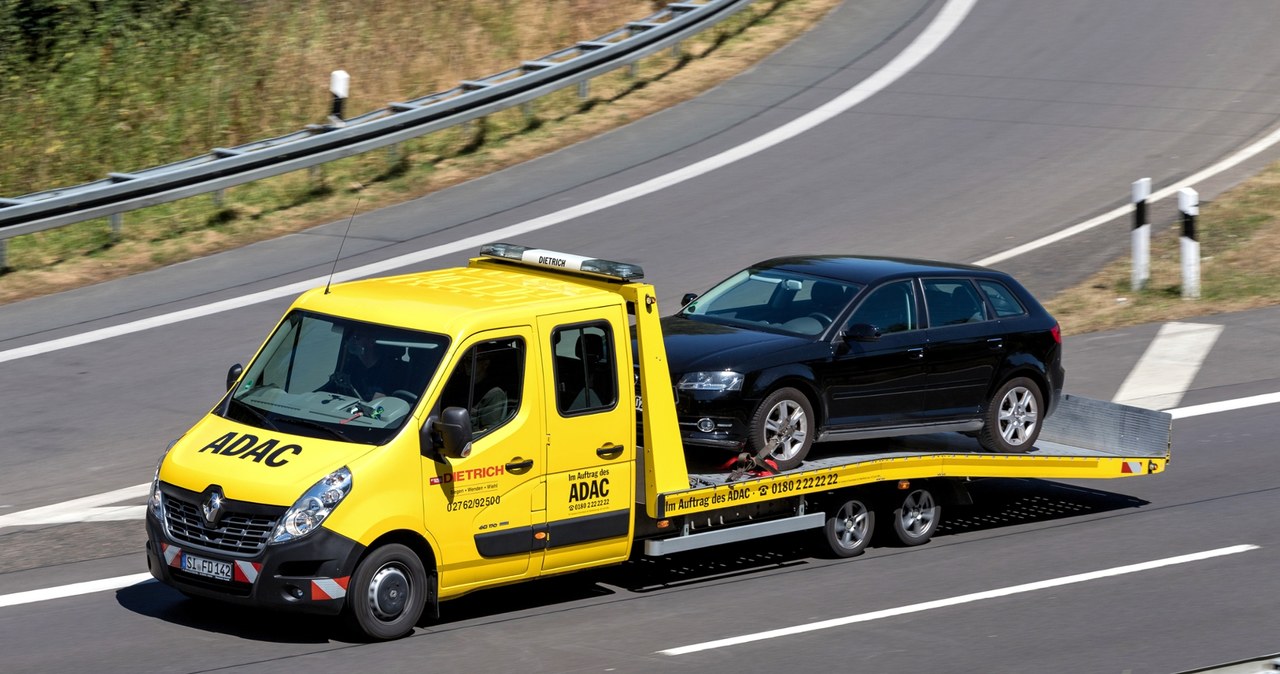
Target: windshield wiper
{"x": 316, "y": 424}
{"x": 254, "y": 412}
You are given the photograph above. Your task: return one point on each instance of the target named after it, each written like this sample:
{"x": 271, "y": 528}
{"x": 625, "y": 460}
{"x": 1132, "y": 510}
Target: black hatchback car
{"x": 798, "y": 350}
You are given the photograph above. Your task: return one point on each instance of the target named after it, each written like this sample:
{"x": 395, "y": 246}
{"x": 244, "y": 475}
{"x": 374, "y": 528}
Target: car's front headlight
{"x": 309, "y": 511}
{"x": 156, "y": 501}
{"x": 724, "y": 380}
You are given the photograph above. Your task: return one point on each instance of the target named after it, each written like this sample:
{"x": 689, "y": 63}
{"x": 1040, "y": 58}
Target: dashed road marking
{"x": 1166, "y": 370}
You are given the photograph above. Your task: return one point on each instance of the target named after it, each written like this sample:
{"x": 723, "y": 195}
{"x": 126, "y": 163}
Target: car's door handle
{"x": 916, "y": 353}
{"x": 609, "y": 451}
{"x": 995, "y": 343}
{"x": 517, "y": 466}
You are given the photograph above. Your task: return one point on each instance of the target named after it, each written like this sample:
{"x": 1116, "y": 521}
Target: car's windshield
{"x": 774, "y": 300}
{"x": 336, "y": 378}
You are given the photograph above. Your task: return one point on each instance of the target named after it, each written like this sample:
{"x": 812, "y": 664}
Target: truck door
{"x": 590, "y": 422}
{"x": 489, "y": 507}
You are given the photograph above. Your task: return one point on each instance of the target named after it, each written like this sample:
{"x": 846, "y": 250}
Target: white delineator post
{"x": 339, "y": 86}
{"x": 1189, "y": 204}
{"x": 1141, "y": 236}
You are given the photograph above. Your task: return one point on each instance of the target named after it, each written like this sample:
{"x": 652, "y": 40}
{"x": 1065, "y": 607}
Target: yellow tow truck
{"x": 397, "y": 442}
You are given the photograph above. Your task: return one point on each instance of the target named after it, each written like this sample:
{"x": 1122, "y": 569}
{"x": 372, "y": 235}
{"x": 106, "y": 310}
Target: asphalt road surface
{"x": 1022, "y": 118}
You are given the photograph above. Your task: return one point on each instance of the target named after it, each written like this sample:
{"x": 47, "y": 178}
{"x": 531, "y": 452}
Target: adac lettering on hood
{"x": 247, "y": 446}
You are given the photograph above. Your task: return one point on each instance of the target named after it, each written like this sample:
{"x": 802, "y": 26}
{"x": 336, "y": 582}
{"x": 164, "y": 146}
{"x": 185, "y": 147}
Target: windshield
{"x": 774, "y": 300}
{"x": 335, "y": 378}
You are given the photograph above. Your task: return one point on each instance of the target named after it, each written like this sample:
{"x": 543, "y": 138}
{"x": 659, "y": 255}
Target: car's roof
{"x": 867, "y": 269}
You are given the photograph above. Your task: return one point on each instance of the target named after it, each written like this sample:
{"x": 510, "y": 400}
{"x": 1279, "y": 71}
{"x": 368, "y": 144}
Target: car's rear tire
{"x": 1012, "y": 418}
{"x": 916, "y": 517}
{"x": 849, "y": 528}
{"x": 387, "y": 593}
{"x": 785, "y": 414}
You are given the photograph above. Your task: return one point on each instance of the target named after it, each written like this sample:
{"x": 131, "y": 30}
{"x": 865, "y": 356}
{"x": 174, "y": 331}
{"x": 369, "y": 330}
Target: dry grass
{"x": 170, "y": 233}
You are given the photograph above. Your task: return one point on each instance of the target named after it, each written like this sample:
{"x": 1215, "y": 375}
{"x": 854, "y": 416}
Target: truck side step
{"x": 665, "y": 546}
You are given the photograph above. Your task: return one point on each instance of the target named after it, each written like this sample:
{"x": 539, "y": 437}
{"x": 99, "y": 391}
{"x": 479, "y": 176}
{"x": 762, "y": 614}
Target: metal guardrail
{"x": 317, "y": 144}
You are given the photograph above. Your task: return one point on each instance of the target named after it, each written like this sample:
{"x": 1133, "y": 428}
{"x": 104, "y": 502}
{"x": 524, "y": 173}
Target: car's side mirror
{"x": 688, "y": 297}
{"x": 862, "y": 332}
{"x": 233, "y": 374}
{"x": 453, "y": 426}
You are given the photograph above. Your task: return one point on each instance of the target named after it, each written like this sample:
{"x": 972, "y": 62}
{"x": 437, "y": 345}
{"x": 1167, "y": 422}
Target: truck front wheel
{"x": 388, "y": 592}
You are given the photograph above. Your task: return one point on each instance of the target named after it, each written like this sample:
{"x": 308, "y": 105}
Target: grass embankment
{"x": 172, "y": 79}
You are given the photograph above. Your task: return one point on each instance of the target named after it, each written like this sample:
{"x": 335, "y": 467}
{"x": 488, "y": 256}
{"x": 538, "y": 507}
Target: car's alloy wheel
{"x": 1011, "y": 421}
{"x": 916, "y": 517}
{"x": 786, "y": 417}
{"x": 849, "y": 528}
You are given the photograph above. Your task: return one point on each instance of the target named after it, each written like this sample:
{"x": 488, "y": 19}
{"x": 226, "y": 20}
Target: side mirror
{"x": 688, "y": 297}
{"x": 453, "y": 426}
{"x": 862, "y": 332}
{"x": 233, "y": 374}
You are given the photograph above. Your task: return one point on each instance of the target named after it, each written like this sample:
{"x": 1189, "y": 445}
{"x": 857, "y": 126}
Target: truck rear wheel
{"x": 849, "y": 528}
{"x": 787, "y": 417}
{"x": 388, "y": 592}
{"x": 916, "y": 517}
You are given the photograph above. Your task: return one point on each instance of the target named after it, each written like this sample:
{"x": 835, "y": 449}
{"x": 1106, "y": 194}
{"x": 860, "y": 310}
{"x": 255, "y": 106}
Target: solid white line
{"x": 1169, "y": 365}
{"x": 72, "y": 590}
{"x": 942, "y": 26}
{"x": 1229, "y": 162}
{"x": 955, "y": 601}
{"x": 84, "y": 509}
{"x": 1225, "y": 406}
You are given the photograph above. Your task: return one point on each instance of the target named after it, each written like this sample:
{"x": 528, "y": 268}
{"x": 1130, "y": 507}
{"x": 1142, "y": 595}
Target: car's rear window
{"x": 1002, "y": 299}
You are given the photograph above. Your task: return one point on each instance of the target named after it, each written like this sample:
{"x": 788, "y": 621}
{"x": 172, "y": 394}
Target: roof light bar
{"x": 550, "y": 259}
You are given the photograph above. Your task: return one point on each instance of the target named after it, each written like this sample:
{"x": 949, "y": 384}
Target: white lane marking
{"x": 84, "y": 509}
{"x": 72, "y": 590}
{"x": 942, "y": 26}
{"x": 1229, "y": 162}
{"x": 1169, "y": 365}
{"x": 955, "y": 601}
{"x": 1225, "y": 406}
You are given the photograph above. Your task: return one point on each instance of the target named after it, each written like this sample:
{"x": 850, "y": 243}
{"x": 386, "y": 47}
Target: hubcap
{"x": 1018, "y": 415}
{"x": 388, "y": 592}
{"x": 787, "y": 423}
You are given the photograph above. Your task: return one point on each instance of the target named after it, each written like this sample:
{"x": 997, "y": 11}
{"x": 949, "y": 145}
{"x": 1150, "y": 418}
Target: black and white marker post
{"x": 1189, "y": 204}
{"x": 339, "y": 84}
{"x": 1141, "y": 235}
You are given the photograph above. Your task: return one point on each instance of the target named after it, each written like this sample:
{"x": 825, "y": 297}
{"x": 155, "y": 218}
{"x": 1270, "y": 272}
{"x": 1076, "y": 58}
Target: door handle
{"x": 995, "y": 343}
{"x": 609, "y": 451}
{"x": 916, "y": 353}
{"x": 517, "y": 466}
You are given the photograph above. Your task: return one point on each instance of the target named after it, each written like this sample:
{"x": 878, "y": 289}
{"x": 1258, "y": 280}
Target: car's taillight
{"x": 1057, "y": 333}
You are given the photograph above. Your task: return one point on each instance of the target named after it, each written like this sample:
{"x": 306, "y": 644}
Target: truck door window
{"x": 585, "y": 372}
{"x": 488, "y": 382}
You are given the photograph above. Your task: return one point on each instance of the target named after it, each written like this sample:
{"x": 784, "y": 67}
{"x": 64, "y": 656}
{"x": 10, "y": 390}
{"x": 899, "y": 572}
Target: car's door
{"x": 963, "y": 349}
{"x": 880, "y": 382}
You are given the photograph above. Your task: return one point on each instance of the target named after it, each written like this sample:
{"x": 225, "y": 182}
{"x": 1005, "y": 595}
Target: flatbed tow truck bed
{"x": 1084, "y": 439}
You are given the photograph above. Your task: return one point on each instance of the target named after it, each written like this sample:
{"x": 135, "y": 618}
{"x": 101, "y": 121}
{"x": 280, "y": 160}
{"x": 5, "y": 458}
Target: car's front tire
{"x": 387, "y": 593}
{"x": 1013, "y": 417}
{"x": 787, "y": 416}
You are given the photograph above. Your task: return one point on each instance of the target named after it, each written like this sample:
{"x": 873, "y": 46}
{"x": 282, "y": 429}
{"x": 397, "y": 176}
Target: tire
{"x": 849, "y": 528}
{"x": 916, "y": 518}
{"x": 787, "y": 413}
{"x": 1012, "y": 419}
{"x": 387, "y": 593}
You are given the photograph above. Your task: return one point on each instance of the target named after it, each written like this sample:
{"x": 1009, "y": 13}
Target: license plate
{"x": 209, "y": 568}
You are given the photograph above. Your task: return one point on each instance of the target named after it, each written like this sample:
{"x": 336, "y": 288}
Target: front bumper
{"x": 309, "y": 576}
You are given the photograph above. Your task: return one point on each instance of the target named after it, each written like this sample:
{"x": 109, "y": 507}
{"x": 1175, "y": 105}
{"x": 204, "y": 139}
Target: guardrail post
{"x": 1141, "y": 235}
{"x": 677, "y": 49}
{"x": 1189, "y": 204}
{"x": 339, "y": 86}
{"x": 218, "y": 196}
{"x": 584, "y": 89}
{"x": 4, "y": 255}
{"x": 633, "y": 70}
{"x": 117, "y": 224}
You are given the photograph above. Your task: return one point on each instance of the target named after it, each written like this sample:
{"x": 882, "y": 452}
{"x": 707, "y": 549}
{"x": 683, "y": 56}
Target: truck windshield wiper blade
{"x": 316, "y": 424}
{"x": 253, "y": 412}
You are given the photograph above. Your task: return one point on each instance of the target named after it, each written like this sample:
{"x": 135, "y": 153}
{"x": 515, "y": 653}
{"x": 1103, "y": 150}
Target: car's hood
{"x": 694, "y": 346}
{"x": 252, "y": 464}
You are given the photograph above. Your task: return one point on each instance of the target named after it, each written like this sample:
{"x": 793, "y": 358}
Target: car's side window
{"x": 488, "y": 382}
{"x": 891, "y": 308}
{"x": 586, "y": 376}
{"x": 1002, "y": 300}
{"x": 952, "y": 302}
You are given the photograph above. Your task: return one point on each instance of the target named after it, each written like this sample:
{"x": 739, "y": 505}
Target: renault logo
{"x": 212, "y": 509}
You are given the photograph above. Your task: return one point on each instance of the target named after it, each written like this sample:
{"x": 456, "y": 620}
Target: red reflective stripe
{"x": 172, "y": 555}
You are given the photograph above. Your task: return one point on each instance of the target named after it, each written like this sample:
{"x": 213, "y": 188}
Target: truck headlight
{"x": 724, "y": 380}
{"x": 309, "y": 511}
{"x": 156, "y": 501}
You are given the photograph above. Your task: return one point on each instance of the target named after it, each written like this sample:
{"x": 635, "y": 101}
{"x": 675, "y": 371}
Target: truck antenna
{"x": 341, "y": 244}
